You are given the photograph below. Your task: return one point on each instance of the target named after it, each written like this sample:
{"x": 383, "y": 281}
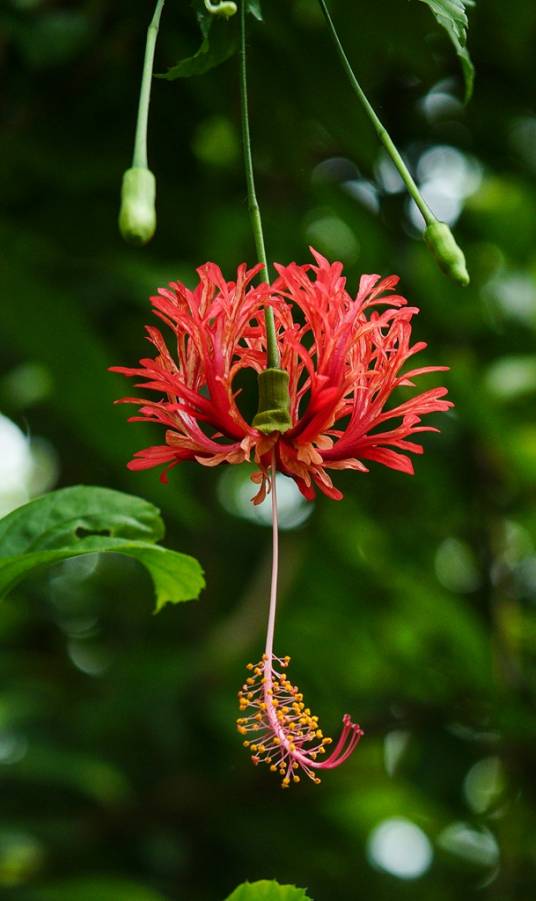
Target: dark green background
{"x": 410, "y": 604}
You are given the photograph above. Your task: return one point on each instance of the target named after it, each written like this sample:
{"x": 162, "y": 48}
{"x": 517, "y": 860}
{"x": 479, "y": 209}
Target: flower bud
{"x": 273, "y": 414}
{"x": 440, "y": 241}
{"x": 137, "y": 216}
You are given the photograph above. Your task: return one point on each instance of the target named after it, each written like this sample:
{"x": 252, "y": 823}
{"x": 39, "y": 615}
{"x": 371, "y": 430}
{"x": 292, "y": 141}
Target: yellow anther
{"x": 273, "y": 768}
{"x": 250, "y": 666}
{"x": 295, "y": 778}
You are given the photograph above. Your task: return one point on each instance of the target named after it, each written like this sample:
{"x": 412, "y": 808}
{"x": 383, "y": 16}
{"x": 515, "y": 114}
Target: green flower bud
{"x": 273, "y": 414}
{"x": 440, "y": 241}
{"x": 137, "y": 216}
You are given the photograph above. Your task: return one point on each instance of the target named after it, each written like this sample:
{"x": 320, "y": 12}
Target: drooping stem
{"x": 140, "y": 143}
{"x": 269, "y": 649}
{"x": 253, "y": 205}
{"x": 380, "y": 129}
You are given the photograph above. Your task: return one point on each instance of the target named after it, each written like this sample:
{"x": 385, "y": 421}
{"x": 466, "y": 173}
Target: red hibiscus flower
{"x": 344, "y": 357}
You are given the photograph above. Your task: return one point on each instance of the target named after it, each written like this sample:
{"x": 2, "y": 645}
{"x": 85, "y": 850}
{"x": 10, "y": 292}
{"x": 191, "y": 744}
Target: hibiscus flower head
{"x": 343, "y": 357}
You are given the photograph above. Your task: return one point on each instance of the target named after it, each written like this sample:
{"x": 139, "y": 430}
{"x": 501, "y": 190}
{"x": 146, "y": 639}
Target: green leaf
{"x": 87, "y": 520}
{"x": 216, "y": 48}
{"x": 452, "y": 16}
{"x": 220, "y": 42}
{"x": 268, "y": 890}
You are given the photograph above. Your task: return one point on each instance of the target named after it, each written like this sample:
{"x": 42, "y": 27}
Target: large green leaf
{"x": 267, "y": 890}
{"x": 87, "y": 520}
{"x": 452, "y": 16}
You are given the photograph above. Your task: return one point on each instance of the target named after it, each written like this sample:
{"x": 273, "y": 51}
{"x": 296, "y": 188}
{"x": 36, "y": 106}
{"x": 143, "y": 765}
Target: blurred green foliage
{"x": 410, "y": 604}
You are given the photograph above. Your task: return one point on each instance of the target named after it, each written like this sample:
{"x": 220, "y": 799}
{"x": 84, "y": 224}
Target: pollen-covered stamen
{"x": 284, "y": 732}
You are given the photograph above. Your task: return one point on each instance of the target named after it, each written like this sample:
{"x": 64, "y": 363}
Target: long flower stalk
{"x": 379, "y": 127}
{"x": 438, "y": 237}
{"x": 139, "y": 158}
{"x": 253, "y": 204}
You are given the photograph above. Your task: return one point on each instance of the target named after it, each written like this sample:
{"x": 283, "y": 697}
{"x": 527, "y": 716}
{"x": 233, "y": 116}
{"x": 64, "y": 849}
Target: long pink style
{"x": 287, "y": 735}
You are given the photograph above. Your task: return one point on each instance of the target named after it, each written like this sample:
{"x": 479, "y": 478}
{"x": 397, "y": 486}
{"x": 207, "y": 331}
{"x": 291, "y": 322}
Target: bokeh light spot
{"x": 456, "y": 567}
{"x": 483, "y": 784}
{"x": 235, "y": 491}
{"x": 399, "y": 847}
{"x": 477, "y": 846}
{"x": 332, "y": 237}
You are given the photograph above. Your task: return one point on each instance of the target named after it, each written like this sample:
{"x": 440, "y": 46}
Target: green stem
{"x": 381, "y": 131}
{"x": 253, "y": 205}
{"x": 140, "y": 143}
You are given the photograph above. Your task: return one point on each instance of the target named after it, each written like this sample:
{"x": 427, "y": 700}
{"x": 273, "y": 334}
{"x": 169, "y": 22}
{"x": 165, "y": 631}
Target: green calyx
{"x": 137, "y": 216}
{"x": 440, "y": 241}
{"x": 273, "y": 414}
